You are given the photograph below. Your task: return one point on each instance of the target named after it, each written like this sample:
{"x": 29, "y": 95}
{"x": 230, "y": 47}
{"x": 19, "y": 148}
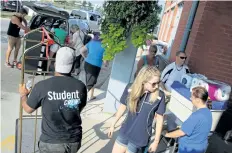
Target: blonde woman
{"x": 144, "y": 102}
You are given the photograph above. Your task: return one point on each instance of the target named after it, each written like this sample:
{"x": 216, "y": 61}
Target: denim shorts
{"x": 59, "y": 148}
{"x": 132, "y": 148}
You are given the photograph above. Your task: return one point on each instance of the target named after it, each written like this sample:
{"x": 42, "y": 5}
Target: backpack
{"x": 86, "y": 39}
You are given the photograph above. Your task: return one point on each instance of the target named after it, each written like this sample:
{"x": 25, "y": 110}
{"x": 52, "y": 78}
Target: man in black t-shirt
{"x": 62, "y": 99}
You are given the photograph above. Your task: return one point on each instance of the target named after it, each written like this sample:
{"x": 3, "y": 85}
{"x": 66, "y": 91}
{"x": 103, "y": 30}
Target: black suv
{"x": 10, "y": 5}
{"x": 48, "y": 16}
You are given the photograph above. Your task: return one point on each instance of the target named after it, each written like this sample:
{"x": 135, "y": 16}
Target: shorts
{"x": 54, "y": 48}
{"x": 91, "y": 74}
{"x": 14, "y": 42}
{"x": 59, "y": 148}
{"x": 132, "y": 148}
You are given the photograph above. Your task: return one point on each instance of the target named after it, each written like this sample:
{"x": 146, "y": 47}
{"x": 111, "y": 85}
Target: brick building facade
{"x": 210, "y": 40}
{"x": 209, "y": 43}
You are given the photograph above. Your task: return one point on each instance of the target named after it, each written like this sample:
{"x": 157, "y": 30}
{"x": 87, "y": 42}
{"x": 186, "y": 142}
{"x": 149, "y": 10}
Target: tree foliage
{"x": 90, "y": 4}
{"x": 84, "y": 3}
{"x": 124, "y": 19}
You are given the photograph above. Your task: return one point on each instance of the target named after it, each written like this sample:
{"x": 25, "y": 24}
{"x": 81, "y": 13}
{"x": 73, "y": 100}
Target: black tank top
{"x": 13, "y": 29}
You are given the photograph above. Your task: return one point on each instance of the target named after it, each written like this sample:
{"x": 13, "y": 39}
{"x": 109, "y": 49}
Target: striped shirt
{"x": 173, "y": 73}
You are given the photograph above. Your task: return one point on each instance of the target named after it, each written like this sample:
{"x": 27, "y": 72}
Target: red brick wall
{"x": 210, "y": 41}
{"x": 180, "y": 30}
{"x": 168, "y": 14}
{"x": 172, "y": 23}
{"x": 162, "y": 26}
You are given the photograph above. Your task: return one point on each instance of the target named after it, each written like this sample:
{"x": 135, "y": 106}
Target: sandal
{"x": 18, "y": 65}
{"x": 92, "y": 98}
{"x": 15, "y": 63}
{"x": 7, "y": 64}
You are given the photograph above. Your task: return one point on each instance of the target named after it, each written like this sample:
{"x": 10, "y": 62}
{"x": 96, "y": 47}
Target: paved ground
{"x": 95, "y": 122}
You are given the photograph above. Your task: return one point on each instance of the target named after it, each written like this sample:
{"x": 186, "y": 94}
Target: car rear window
{"x": 93, "y": 17}
{"x": 80, "y": 14}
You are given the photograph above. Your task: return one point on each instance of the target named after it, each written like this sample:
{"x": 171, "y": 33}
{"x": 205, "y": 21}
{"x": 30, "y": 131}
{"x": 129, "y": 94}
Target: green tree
{"x": 90, "y": 4}
{"x": 84, "y": 3}
{"x": 100, "y": 9}
{"x": 124, "y": 19}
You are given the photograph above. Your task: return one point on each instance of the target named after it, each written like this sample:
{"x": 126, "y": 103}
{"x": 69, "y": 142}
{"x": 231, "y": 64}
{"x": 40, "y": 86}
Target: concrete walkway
{"x": 95, "y": 127}
{"x": 95, "y": 121}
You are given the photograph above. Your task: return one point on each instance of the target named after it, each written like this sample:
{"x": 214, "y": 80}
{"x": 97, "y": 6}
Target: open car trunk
{"x": 47, "y": 9}
{"x": 46, "y": 16}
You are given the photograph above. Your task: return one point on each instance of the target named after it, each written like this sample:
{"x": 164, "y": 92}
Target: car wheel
{"x": 2, "y": 8}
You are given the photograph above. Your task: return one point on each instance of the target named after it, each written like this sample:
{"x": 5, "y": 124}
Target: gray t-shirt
{"x": 62, "y": 98}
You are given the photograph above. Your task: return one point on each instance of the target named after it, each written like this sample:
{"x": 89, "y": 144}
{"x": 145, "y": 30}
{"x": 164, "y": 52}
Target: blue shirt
{"x": 196, "y": 128}
{"x": 95, "y": 53}
{"x": 137, "y": 127}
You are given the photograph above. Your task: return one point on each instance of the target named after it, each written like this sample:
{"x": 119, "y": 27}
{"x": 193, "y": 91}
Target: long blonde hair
{"x": 137, "y": 88}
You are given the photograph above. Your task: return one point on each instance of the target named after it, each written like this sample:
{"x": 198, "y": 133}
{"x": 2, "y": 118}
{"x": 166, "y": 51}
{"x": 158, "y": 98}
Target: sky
{"x": 97, "y": 2}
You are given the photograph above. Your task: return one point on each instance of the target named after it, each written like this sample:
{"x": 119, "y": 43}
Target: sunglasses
{"x": 181, "y": 57}
{"x": 154, "y": 84}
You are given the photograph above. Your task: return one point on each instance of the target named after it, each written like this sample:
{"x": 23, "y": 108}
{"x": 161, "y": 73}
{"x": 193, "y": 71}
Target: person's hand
{"x": 153, "y": 147}
{"x": 106, "y": 63}
{"x": 167, "y": 93}
{"x": 111, "y": 131}
{"x": 23, "y": 91}
{"x": 164, "y": 133}
{"x": 27, "y": 30}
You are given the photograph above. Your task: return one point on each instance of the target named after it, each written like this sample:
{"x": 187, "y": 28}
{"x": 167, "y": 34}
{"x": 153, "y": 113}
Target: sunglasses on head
{"x": 181, "y": 57}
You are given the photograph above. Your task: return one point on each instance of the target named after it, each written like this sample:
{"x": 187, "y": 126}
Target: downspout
{"x": 189, "y": 25}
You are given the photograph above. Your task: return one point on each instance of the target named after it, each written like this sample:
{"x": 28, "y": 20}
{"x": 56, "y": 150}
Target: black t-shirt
{"x": 62, "y": 98}
{"x": 14, "y": 29}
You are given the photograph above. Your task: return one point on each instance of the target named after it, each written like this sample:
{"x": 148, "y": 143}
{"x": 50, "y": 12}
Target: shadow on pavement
{"x": 102, "y": 136}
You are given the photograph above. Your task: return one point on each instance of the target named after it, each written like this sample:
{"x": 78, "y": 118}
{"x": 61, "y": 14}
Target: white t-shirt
{"x": 173, "y": 73}
{"x": 159, "y": 51}
{"x": 78, "y": 38}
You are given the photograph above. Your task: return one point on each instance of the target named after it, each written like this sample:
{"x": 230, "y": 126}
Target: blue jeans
{"x": 132, "y": 148}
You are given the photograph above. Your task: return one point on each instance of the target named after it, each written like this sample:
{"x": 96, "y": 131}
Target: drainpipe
{"x": 189, "y": 25}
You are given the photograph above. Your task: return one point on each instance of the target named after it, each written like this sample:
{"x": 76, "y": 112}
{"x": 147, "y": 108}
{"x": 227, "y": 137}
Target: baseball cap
{"x": 65, "y": 57}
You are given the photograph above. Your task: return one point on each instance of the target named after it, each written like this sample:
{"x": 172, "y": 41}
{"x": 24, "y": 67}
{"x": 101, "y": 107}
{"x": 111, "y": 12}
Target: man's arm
{"x": 16, "y": 21}
{"x": 33, "y": 102}
{"x": 139, "y": 66}
{"x": 187, "y": 128}
{"x": 26, "y": 107}
{"x": 23, "y": 94}
{"x": 83, "y": 98}
{"x": 164, "y": 76}
{"x": 175, "y": 134}
{"x": 84, "y": 51}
